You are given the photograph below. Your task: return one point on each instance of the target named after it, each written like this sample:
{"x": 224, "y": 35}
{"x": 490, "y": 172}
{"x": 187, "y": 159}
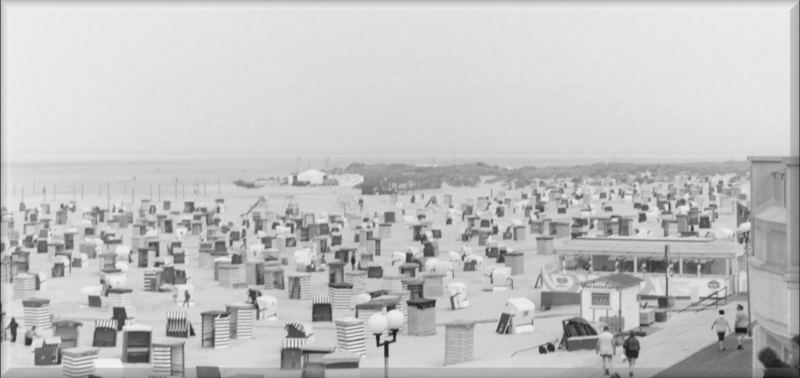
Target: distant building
{"x": 312, "y": 177}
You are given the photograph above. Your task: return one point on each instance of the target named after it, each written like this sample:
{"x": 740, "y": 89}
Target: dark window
{"x": 601, "y": 299}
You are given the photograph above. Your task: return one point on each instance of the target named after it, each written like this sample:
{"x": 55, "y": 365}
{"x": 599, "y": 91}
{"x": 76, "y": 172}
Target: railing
{"x": 715, "y": 297}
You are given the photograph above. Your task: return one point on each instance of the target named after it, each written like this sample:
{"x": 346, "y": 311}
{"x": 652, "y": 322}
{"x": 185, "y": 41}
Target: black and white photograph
{"x": 451, "y": 188}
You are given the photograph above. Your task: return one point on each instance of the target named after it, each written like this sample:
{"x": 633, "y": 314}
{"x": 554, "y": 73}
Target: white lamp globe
{"x": 744, "y": 227}
{"x": 377, "y": 323}
{"x": 395, "y": 319}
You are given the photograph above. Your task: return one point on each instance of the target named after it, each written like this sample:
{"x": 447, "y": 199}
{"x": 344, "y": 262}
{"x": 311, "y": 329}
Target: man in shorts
{"x": 606, "y": 348}
{"x": 721, "y": 326}
{"x": 631, "y": 347}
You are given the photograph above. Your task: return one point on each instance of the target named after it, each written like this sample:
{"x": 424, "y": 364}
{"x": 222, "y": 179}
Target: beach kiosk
{"x": 612, "y": 299}
{"x": 720, "y": 264}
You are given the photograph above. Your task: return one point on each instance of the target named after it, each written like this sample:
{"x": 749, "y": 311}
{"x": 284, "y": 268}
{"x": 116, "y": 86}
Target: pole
{"x": 386, "y": 359}
{"x": 747, "y": 265}
{"x": 666, "y": 277}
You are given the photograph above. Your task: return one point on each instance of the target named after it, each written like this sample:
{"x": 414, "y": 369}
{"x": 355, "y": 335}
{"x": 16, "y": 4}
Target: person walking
{"x": 721, "y": 326}
{"x": 631, "y": 347}
{"x": 741, "y": 325}
{"x": 186, "y": 298}
{"x": 244, "y": 236}
{"x": 606, "y": 349}
{"x": 353, "y": 260}
{"x": 12, "y": 328}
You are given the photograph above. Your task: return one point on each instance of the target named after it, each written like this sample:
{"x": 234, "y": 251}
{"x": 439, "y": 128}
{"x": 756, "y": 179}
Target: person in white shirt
{"x": 721, "y": 327}
{"x": 606, "y": 348}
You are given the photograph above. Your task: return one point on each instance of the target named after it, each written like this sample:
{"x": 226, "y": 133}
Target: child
{"x": 740, "y": 326}
{"x": 30, "y": 335}
{"x": 721, "y": 326}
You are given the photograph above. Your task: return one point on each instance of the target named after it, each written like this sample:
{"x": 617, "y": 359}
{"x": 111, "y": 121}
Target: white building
{"x": 312, "y": 176}
{"x": 609, "y": 298}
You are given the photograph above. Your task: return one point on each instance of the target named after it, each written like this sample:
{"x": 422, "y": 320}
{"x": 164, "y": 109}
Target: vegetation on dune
{"x": 245, "y": 184}
{"x": 429, "y": 177}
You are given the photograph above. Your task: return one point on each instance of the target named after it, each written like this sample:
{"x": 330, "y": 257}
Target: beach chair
{"x": 105, "y": 333}
{"x": 49, "y": 353}
{"x": 298, "y": 330}
{"x": 291, "y": 354}
{"x": 120, "y": 314}
{"x": 321, "y": 310}
{"x": 178, "y": 325}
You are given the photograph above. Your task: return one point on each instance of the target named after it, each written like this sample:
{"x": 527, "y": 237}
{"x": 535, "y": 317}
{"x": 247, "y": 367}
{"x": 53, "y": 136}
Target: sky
{"x": 397, "y": 78}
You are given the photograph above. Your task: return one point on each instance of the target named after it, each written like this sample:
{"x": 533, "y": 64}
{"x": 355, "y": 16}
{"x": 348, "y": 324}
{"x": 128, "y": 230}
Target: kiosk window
{"x": 601, "y": 299}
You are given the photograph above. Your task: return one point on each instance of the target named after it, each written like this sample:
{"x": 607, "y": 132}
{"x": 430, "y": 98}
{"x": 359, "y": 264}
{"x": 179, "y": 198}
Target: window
{"x": 601, "y": 299}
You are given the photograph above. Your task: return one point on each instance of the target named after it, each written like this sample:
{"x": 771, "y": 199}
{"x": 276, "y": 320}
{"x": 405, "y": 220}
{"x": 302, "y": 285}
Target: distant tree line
{"x": 464, "y": 175}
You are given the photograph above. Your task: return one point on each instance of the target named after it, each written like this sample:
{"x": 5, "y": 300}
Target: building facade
{"x": 775, "y": 239}
{"x": 775, "y": 259}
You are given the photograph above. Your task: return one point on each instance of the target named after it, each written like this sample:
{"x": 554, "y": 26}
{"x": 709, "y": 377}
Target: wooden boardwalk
{"x": 710, "y": 362}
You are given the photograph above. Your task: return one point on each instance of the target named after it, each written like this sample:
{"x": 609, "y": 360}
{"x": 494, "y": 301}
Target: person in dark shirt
{"x": 631, "y": 347}
{"x": 12, "y": 327}
{"x": 186, "y": 298}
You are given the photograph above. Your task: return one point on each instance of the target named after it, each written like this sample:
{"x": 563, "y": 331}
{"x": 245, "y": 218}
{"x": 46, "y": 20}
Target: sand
{"x": 263, "y": 352}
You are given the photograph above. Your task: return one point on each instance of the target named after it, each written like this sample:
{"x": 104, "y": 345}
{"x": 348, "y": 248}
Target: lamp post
{"x": 379, "y": 324}
{"x": 744, "y": 228}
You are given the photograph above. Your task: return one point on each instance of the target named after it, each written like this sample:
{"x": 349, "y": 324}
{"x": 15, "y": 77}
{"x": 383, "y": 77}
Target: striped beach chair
{"x": 291, "y": 354}
{"x": 321, "y": 310}
{"x": 298, "y": 330}
{"x": 374, "y": 270}
{"x": 49, "y": 353}
{"x": 178, "y": 324}
{"x": 105, "y": 333}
